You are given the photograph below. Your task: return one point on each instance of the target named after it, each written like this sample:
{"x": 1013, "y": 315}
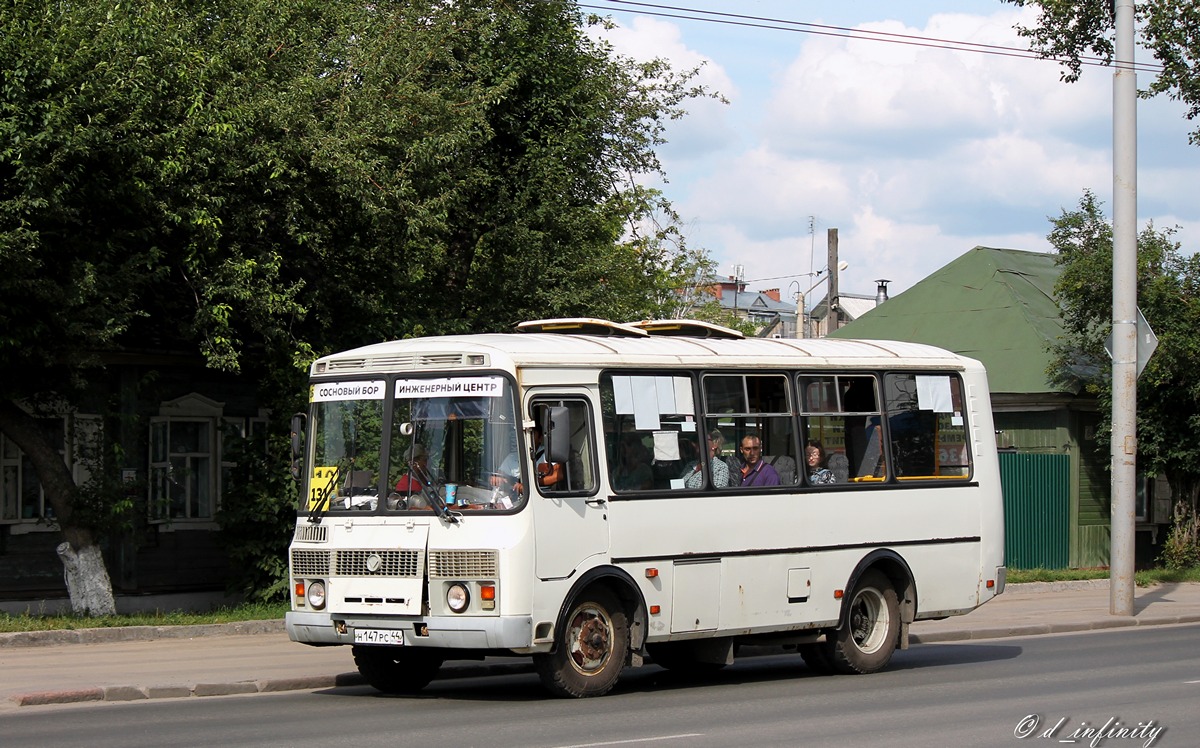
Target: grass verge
{"x": 31, "y": 621}
{"x": 1141, "y": 578}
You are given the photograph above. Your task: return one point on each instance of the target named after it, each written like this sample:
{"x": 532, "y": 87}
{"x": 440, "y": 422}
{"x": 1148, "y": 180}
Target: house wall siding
{"x": 154, "y": 556}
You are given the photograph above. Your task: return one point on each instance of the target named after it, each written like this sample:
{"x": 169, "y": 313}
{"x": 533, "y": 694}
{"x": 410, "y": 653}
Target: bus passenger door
{"x": 570, "y": 516}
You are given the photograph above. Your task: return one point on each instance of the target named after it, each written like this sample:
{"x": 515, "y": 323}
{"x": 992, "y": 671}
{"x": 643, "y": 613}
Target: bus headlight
{"x": 457, "y": 597}
{"x": 316, "y": 594}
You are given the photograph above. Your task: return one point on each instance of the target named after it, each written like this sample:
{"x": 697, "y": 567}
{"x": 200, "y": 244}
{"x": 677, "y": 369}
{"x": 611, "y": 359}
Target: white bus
{"x": 590, "y": 493}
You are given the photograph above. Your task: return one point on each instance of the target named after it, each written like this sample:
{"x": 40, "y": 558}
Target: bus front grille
{"x": 377, "y": 563}
{"x": 307, "y": 563}
{"x": 463, "y": 564}
{"x": 312, "y": 533}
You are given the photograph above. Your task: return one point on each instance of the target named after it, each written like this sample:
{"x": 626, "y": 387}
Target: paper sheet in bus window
{"x": 684, "y": 402}
{"x": 665, "y": 386}
{"x": 645, "y": 403}
{"x": 933, "y": 393}
{"x": 623, "y": 395}
{"x": 666, "y": 445}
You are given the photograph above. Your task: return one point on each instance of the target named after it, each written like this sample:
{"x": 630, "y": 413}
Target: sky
{"x": 914, "y": 154}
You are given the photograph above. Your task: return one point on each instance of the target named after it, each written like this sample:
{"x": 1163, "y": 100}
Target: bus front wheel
{"x": 866, "y": 642}
{"x": 590, "y": 648}
{"x": 396, "y": 669}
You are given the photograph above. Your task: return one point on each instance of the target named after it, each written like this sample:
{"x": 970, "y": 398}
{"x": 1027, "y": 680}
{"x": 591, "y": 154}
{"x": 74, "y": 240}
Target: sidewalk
{"x": 131, "y": 664}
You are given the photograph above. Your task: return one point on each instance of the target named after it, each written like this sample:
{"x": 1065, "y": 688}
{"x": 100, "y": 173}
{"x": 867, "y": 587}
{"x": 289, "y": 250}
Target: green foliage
{"x": 1169, "y": 297}
{"x": 255, "y": 183}
{"x": 105, "y": 502}
{"x": 1072, "y": 32}
{"x": 1181, "y": 550}
{"x": 257, "y": 517}
{"x": 712, "y": 311}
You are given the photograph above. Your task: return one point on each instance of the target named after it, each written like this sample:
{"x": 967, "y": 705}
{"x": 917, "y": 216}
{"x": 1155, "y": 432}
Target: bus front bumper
{"x": 441, "y": 632}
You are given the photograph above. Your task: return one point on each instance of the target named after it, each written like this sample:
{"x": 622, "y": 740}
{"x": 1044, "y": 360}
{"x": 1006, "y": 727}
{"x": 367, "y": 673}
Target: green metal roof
{"x": 995, "y": 305}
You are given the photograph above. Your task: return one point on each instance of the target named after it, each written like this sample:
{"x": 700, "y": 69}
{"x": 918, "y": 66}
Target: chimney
{"x": 881, "y": 291}
{"x": 772, "y": 293}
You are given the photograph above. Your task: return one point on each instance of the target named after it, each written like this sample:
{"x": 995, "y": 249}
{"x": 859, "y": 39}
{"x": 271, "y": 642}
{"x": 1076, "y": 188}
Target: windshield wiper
{"x": 433, "y": 494}
{"x": 314, "y": 514}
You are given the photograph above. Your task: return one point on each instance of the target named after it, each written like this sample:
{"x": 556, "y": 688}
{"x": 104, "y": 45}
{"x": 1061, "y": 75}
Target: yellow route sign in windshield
{"x": 322, "y": 481}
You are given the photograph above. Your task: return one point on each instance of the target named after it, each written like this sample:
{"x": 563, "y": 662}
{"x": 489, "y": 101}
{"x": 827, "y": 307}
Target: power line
{"x": 801, "y": 27}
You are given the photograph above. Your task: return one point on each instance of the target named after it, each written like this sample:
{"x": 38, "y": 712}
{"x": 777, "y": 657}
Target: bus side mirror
{"x": 299, "y": 426}
{"x": 556, "y": 433}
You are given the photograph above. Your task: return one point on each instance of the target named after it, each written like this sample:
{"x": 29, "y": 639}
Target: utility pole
{"x": 1124, "y": 317}
{"x": 737, "y": 286}
{"x": 833, "y": 314}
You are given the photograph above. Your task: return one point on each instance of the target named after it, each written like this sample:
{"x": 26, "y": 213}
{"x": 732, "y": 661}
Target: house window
{"x": 187, "y": 464}
{"x": 21, "y": 494}
{"x": 23, "y": 497}
{"x": 10, "y": 480}
{"x": 182, "y": 481}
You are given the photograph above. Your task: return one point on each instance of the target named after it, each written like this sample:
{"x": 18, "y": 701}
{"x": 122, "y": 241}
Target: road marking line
{"x": 635, "y": 740}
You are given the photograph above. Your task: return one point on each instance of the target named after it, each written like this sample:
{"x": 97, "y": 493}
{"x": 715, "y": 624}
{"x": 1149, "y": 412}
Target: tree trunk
{"x": 87, "y": 580}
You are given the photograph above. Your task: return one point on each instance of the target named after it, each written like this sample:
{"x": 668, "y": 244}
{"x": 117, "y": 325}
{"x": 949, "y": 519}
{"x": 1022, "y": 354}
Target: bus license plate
{"x": 378, "y": 636}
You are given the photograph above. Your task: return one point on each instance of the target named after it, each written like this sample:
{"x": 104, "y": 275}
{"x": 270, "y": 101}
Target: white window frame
{"x": 191, "y": 408}
{"x": 12, "y": 459}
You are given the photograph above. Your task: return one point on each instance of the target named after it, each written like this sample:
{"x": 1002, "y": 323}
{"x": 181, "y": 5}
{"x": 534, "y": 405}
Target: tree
{"x": 255, "y": 183}
{"x": 1168, "y": 391}
{"x": 1079, "y": 33}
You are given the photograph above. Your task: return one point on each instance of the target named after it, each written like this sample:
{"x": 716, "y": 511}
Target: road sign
{"x": 1147, "y": 342}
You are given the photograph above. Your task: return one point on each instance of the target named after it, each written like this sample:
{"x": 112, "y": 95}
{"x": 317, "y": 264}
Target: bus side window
{"x": 761, "y": 405}
{"x": 840, "y": 415}
{"x": 926, "y": 426}
{"x": 651, "y": 435}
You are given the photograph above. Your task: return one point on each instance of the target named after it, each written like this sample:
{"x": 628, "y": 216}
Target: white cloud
{"x": 916, "y": 155}
{"x": 706, "y": 128}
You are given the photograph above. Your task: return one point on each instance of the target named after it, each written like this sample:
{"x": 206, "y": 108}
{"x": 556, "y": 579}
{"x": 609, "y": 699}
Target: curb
{"x": 142, "y": 693}
{"x": 271, "y": 685}
{"x": 1039, "y": 629}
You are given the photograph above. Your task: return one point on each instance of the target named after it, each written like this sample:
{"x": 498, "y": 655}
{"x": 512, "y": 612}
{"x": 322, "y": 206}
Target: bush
{"x": 258, "y": 518}
{"x": 1180, "y": 551}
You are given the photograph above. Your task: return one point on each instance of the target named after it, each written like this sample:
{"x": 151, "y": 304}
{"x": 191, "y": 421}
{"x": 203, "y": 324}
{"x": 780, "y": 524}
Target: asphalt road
{"x": 1081, "y": 689}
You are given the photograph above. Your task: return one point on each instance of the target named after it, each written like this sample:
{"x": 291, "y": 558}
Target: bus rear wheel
{"x": 396, "y": 669}
{"x": 866, "y": 642}
{"x": 591, "y": 647}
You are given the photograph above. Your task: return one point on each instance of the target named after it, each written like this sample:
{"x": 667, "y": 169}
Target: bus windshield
{"x": 453, "y": 444}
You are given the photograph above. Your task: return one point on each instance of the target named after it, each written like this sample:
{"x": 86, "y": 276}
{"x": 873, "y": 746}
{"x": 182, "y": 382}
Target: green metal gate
{"x": 1037, "y": 509}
